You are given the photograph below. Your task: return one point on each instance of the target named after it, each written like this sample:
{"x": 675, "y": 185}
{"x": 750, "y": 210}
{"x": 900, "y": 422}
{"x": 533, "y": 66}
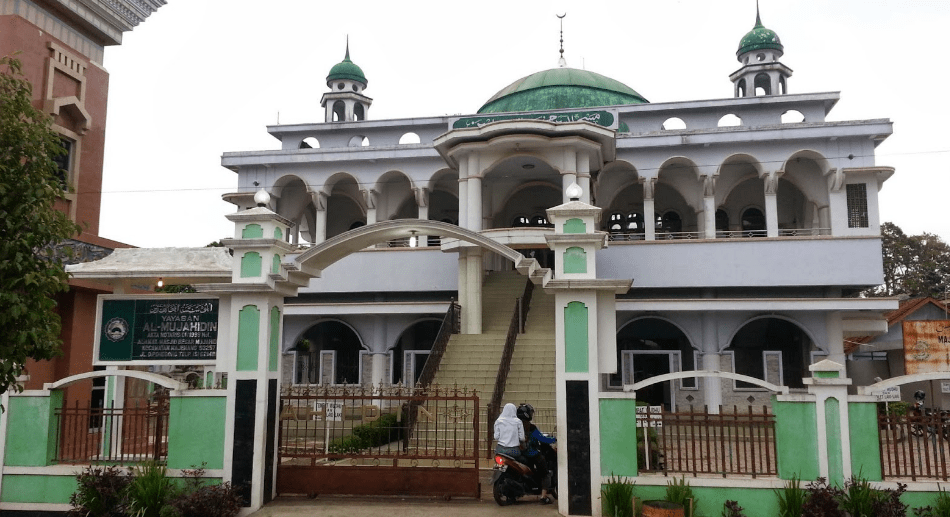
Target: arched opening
{"x": 763, "y": 85}
{"x": 730, "y": 120}
{"x": 339, "y": 111}
{"x": 740, "y": 86}
{"x": 411, "y": 351}
{"x": 395, "y": 199}
{"x": 674, "y": 123}
{"x": 409, "y": 138}
{"x": 772, "y": 349}
{"x": 753, "y": 222}
{"x": 293, "y": 201}
{"x": 792, "y": 117}
{"x": 530, "y": 202}
{"x": 344, "y": 206}
{"x": 359, "y": 112}
{"x": 649, "y": 347}
{"x": 358, "y": 141}
{"x": 722, "y": 221}
{"x": 310, "y": 143}
{"x": 328, "y": 353}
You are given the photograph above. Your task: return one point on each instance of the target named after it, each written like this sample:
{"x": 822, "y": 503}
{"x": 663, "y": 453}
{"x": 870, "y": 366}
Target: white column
{"x": 709, "y": 206}
{"x": 649, "y": 218}
{"x": 824, "y": 219}
{"x": 583, "y": 175}
{"x": 712, "y": 386}
{"x": 770, "y": 184}
{"x": 320, "y": 219}
{"x": 474, "y": 283}
{"x": 369, "y": 196}
{"x": 463, "y": 192}
{"x": 474, "y": 194}
{"x": 422, "y": 201}
{"x": 379, "y": 359}
{"x": 835, "y": 338}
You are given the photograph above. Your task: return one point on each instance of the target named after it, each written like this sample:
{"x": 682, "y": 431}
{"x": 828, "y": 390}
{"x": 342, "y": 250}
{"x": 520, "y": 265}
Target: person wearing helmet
{"x": 532, "y": 453}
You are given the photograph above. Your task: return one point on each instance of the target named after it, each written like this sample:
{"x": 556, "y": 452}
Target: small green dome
{"x": 561, "y": 88}
{"x": 759, "y": 38}
{"x": 347, "y": 69}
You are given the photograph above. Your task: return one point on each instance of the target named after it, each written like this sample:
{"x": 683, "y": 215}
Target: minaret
{"x": 345, "y": 101}
{"x": 761, "y": 72}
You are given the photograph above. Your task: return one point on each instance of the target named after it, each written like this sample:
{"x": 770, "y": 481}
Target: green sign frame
{"x": 157, "y": 329}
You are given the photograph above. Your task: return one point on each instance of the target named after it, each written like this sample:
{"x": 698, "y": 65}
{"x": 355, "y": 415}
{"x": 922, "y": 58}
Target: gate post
{"x": 255, "y": 298}
{"x": 830, "y": 387}
{"x": 586, "y": 342}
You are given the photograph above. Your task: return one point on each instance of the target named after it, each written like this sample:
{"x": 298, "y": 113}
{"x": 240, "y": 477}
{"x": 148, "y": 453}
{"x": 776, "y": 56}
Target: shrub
{"x": 681, "y": 493}
{"x": 100, "y": 493}
{"x": 732, "y": 509}
{"x": 858, "y": 497}
{"x": 822, "y": 500}
{"x": 792, "y": 498}
{"x": 199, "y": 499}
{"x": 887, "y": 503}
{"x": 941, "y": 506}
{"x": 149, "y": 490}
{"x": 380, "y": 432}
{"x": 616, "y": 497}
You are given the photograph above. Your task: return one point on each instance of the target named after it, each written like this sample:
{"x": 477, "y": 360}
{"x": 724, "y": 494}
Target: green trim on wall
{"x": 249, "y": 327}
{"x": 575, "y": 260}
{"x": 575, "y": 338}
{"x": 575, "y": 225}
{"x": 30, "y": 420}
{"x": 250, "y": 264}
{"x": 278, "y": 233}
{"x": 275, "y": 264}
{"x": 618, "y": 433}
{"x": 19, "y": 488}
{"x": 865, "y": 442}
{"x": 252, "y": 231}
{"x": 196, "y": 431}
{"x": 796, "y": 438}
{"x": 826, "y": 375}
{"x": 274, "y": 355}
{"x": 833, "y": 430}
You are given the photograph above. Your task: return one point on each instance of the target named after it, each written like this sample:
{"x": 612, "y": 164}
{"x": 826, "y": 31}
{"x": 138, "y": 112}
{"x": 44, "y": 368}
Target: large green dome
{"x": 759, "y": 38}
{"x": 347, "y": 69}
{"x": 561, "y": 88}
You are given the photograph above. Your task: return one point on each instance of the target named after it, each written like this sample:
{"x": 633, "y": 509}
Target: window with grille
{"x": 857, "y": 205}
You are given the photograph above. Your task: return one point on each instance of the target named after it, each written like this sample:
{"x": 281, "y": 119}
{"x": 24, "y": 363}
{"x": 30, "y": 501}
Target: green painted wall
{"x": 575, "y": 225}
{"x": 278, "y": 234}
{"x": 37, "y": 489}
{"x": 708, "y": 501}
{"x": 833, "y": 430}
{"x": 249, "y": 326}
{"x": 796, "y": 437}
{"x": 865, "y": 442}
{"x": 618, "y": 431}
{"x": 252, "y": 231}
{"x": 274, "y": 355}
{"x": 196, "y": 432}
{"x": 575, "y": 260}
{"x": 575, "y": 338}
{"x": 31, "y": 419}
{"x": 275, "y": 264}
{"x": 251, "y": 264}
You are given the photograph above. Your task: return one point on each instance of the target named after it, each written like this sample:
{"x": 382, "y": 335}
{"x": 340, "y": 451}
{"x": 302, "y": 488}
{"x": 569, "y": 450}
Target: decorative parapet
{"x": 105, "y": 20}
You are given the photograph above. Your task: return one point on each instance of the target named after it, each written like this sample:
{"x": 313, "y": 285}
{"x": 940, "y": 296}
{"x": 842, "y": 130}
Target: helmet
{"x": 919, "y": 395}
{"x": 526, "y": 412}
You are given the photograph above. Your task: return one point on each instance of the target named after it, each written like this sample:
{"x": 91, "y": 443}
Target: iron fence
{"x": 88, "y": 434}
{"x": 914, "y": 446}
{"x": 383, "y": 426}
{"x": 698, "y": 442}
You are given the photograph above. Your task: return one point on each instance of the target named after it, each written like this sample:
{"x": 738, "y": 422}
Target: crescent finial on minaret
{"x": 561, "y": 61}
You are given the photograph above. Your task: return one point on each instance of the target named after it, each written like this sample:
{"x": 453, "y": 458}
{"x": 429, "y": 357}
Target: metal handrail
{"x": 515, "y": 327}
{"x": 450, "y": 325}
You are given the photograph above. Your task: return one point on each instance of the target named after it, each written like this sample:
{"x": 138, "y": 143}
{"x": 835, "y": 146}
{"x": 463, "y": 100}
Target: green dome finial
{"x": 759, "y": 38}
{"x": 347, "y": 69}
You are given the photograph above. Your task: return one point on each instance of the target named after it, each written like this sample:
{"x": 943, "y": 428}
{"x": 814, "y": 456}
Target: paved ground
{"x": 343, "y": 506}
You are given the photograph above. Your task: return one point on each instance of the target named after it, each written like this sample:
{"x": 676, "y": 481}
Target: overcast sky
{"x": 202, "y": 77}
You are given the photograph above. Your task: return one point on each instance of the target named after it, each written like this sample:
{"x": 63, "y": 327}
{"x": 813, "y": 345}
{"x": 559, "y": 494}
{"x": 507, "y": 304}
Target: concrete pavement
{"x": 341, "y": 506}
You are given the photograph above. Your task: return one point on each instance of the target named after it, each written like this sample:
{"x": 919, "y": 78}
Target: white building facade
{"x": 746, "y": 224}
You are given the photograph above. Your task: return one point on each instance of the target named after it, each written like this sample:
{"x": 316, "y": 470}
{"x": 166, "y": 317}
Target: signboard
{"x": 892, "y": 394}
{"x": 945, "y": 387}
{"x": 649, "y": 416}
{"x": 334, "y": 410}
{"x": 156, "y": 329}
{"x": 926, "y": 346}
{"x": 600, "y": 118}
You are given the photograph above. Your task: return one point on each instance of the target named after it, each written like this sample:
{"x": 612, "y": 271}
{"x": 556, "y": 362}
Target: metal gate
{"x": 378, "y": 441}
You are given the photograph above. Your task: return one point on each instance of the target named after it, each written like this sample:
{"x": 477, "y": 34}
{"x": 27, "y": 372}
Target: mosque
{"x": 743, "y": 227}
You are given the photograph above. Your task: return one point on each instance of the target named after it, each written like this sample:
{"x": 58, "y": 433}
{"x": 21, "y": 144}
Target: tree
{"x": 30, "y": 275}
{"x": 915, "y": 265}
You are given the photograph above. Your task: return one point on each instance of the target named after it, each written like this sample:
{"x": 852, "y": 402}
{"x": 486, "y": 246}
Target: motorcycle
{"x": 512, "y": 479}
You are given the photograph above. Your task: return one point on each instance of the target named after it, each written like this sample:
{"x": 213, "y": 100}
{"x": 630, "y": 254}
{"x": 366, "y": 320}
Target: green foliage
{"x": 822, "y": 500}
{"x": 149, "y": 490}
{"x": 199, "y": 499}
{"x": 915, "y": 265}
{"x": 380, "y": 432}
{"x": 680, "y": 492}
{"x": 858, "y": 497}
{"x": 30, "y": 274}
{"x": 941, "y": 506}
{"x": 616, "y": 497}
{"x": 100, "y": 492}
{"x": 792, "y": 498}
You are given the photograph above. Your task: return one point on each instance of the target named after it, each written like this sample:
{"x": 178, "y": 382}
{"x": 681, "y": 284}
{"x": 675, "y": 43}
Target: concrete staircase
{"x": 472, "y": 361}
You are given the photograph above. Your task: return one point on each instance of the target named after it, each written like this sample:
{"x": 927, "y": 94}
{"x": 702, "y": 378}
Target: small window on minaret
{"x": 857, "y": 195}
